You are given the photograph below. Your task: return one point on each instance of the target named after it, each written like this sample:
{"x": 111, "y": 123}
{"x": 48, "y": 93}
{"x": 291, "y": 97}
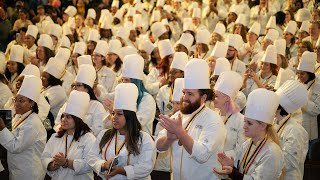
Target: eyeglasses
{"x": 20, "y": 100}
{"x": 76, "y": 85}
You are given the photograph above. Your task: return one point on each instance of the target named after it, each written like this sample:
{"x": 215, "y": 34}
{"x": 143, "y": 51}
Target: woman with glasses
{"x": 27, "y": 137}
{"x": 65, "y": 153}
{"x": 95, "y": 115}
{"x": 133, "y": 149}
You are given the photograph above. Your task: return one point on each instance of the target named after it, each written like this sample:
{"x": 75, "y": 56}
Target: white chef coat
{"x": 136, "y": 166}
{"x": 294, "y": 142}
{"x": 56, "y": 96}
{"x": 5, "y": 94}
{"x": 146, "y": 112}
{"x": 208, "y": 133}
{"x": 251, "y": 85}
{"x": 235, "y": 135}
{"x": 24, "y": 145}
{"x": 107, "y": 78}
{"x": 163, "y": 99}
{"x": 95, "y": 117}
{"x": 312, "y": 109}
{"x": 153, "y": 81}
{"x": 77, "y": 151}
{"x": 268, "y": 163}
{"x": 238, "y": 66}
{"x": 247, "y": 58}
{"x": 67, "y": 80}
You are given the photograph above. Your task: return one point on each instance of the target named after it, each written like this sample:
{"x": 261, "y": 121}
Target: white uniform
{"x": 251, "y": 85}
{"x": 56, "y": 96}
{"x": 136, "y": 166}
{"x": 25, "y": 144}
{"x": 208, "y": 132}
{"x": 248, "y": 57}
{"x": 67, "y": 79}
{"x": 146, "y": 112}
{"x": 238, "y": 66}
{"x": 5, "y": 94}
{"x": 153, "y": 81}
{"x": 235, "y": 135}
{"x": 107, "y": 78}
{"x": 312, "y": 109}
{"x": 163, "y": 100}
{"x": 77, "y": 152}
{"x": 294, "y": 143}
{"x": 261, "y": 18}
{"x": 95, "y": 117}
{"x": 268, "y": 163}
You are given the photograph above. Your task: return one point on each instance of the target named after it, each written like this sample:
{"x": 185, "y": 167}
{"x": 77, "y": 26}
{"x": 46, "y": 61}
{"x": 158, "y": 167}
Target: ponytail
{"x": 272, "y": 134}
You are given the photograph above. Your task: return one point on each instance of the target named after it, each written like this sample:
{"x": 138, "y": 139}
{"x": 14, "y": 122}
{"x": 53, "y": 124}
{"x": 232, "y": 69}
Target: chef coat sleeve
{"x": 81, "y": 166}
{"x": 94, "y": 158}
{"x": 146, "y": 110}
{"x": 47, "y": 155}
{"x": 146, "y": 159}
{"x": 211, "y": 139}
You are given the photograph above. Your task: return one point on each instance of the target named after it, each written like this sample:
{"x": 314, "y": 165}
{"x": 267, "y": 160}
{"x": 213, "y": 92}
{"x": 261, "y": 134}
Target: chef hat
{"x": 165, "y": 48}
{"x": 262, "y": 105}
{"x": 123, "y": 33}
{"x": 78, "y": 104}
{"x": 66, "y": 30}
{"x": 65, "y": 42}
{"x": 139, "y": 7}
{"x": 165, "y": 22}
{"x": 235, "y": 41}
{"x": 272, "y": 35}
{"x": 160, "y": 3}
{"x": 119, "y": 14}
{"x": 240, "y": 100}
{"x": 55, "y": 68}
{"x": 186, "y": 40}
{"x": 227, "y": 87}
{"x": 180, "y": 60}
{"x": 86, "y": 74}
{"x": 220, "y": 49}
{"x": 293, "y": 95}
{"x": 203, "y": 36}
{"x": 16, "y": 53}
{"x": 55, "y": 30}
{"x": 133, "y": 66}
{"x": 31, "y": 69}
{"x": 235, "y": 9}
{"x": 115, "y": 4}
{"x": 291, "y": 27}
{"x": 187, "y": 25}
{"x": 105, "y": 16}
{"x": 71, "y": 22}
{"x": 45, "y": 41}
{"x": 155, "y": 17}
{"x": 222, "y": 65}
{"x": 147, "y": 46}
{"x": 158, "y": 29}
{"x": 94, "y": 35}
{"x": 101, "y": 48}
{"x": 305, "y": 26}
{"x": 196, "y": 13}
{"x": 196, "y": 74}
{"x": 71, "y": 11}
{"x": 255, "y": 28}
{"x": 178, "y": 88}
{"x": 63, "y": 54}
{"x": 28, "y": 92}
{"x": 137, "y": 20}
{"x": 271, "y": 23}
{"x": 307, "y": 62}
{"x": 131, "y": 11}
{"x": 106, "y": 24}
{"x": 114, "y": 46}
{"x": 303, "y": 14}
{"x": 283, "y": 76}
{"x": 280, "y": 45}
{"x": 128, "y": 26}
{"x": 91, "y": 14}
{"x": 270, "y": 55}
{"x": 80, "y": 48}
{"x": 128, "y": 50}
{"x": 125, "y": 97}
{"x": 84, "y": 59}
{"x": 220, "y": 29}
{"x": 242, "y": 19}
{"x": 32, "y": 31}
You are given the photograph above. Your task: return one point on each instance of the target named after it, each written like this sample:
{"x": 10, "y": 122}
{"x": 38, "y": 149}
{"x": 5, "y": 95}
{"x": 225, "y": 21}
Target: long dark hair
{"x": 53, "y": 81}
{"x": 48, "y": 54}
{"x": 81, "y": 128}
{"x": 90, "y": 92}
{"x": 20, "y": 68}
{"x": 164, "y": 65}
{"x": 311, "y": 76}
{"x": 117, "y": 64}
{"x": 133, "y": 128}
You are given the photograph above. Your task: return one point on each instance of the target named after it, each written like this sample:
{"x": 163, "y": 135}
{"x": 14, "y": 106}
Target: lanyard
{"x": 227, "y": 118}
{"x": 311, "y": 84}
{"x": 267, "y": 79}
{"x": 67, "y": 149}
{"x": 116, "y": 150}
{"x": 21, "y": 120}
{"x": 283, "y": 123}
{"x": 171, "y": 94}
{"x": 247, "y": 162}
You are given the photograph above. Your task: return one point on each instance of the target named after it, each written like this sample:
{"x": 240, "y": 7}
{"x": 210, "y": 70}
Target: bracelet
{"x": 65, "y": 164}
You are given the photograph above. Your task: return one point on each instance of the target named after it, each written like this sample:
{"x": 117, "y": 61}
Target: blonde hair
{"x": 272, "y": 134}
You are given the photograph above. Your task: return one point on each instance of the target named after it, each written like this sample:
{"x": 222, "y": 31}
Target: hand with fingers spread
{"x": 173, "y": 126}
{"x": 226, "y": 163}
